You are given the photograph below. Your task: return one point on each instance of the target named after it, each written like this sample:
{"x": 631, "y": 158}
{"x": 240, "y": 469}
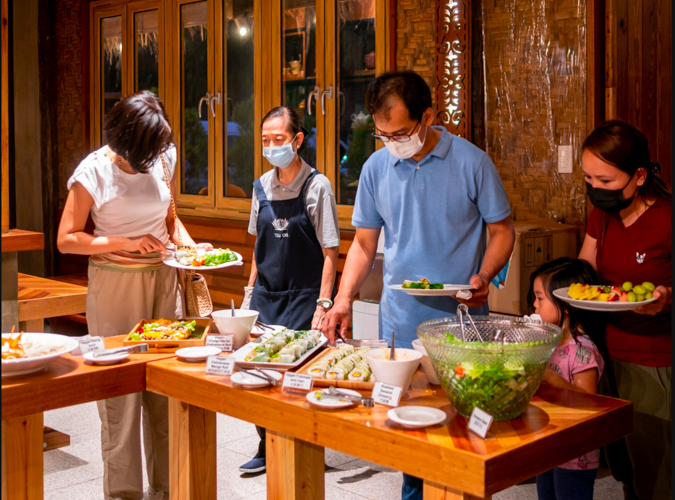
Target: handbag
{"x": 197, "y": 297}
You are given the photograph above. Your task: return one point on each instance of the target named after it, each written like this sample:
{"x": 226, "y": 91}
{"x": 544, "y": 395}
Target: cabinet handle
{"x": 315, "y": 94}
{"x": 325, "y": 93}
{"x": 199, "y": 106}
{"x": 215, "y": 99}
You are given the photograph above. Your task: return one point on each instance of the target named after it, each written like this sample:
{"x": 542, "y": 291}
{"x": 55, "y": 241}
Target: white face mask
{"x": 280, "y": 156}
{"x": 405, "y": 150}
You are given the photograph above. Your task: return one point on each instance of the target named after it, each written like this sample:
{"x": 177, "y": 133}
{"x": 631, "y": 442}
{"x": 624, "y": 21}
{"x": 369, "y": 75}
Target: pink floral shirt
{"x": 575, "y": 357}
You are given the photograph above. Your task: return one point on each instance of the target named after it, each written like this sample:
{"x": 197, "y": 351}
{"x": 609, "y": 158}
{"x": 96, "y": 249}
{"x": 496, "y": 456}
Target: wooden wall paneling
{"x": 453, "y": 66}
{"x": 4, "y": 124}
{"x": 611, "y": 27}
{"x": 664, "y": 87}
{"x": 595, "y": 64}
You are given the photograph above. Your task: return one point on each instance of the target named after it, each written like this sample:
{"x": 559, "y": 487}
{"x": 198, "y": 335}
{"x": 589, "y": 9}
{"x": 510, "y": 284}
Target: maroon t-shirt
{"x": 638, "y": 253}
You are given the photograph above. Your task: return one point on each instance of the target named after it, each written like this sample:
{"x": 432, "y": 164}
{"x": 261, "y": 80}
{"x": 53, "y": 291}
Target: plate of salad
{"x": 607, "y": 298}
{"x": 196, "y": 258}
{"x": 424, "y": 287}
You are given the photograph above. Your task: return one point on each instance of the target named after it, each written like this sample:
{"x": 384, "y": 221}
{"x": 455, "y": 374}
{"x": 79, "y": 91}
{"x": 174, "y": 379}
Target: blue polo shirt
{"x": 434, "y": 215}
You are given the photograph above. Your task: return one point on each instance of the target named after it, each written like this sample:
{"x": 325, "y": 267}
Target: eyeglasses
{"x": 396, "y": 138}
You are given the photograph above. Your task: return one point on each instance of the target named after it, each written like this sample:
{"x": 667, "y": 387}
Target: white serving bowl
{"x": 427, "y": 366}
{"x": 64, "y": 345}
{"x": 398, "y": 372}
{"x": 239, "y": 326}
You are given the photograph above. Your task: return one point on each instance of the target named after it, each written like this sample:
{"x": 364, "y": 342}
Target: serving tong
{"x": 333, "y": 393}
{"x": 261, "y": 375}
{"x": 130, "y": 349}
{"x": 462, "y": 309}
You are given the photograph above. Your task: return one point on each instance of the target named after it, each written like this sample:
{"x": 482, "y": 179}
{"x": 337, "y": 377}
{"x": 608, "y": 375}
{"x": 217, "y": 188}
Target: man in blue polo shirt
{"x": 434, "y": 194}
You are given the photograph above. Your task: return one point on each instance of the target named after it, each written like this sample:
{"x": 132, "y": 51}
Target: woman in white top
{"x": 123, "y": 185}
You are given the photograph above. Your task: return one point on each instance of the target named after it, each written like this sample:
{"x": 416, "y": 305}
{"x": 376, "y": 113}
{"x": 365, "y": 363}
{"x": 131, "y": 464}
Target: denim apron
{"x": 289, "y": 260}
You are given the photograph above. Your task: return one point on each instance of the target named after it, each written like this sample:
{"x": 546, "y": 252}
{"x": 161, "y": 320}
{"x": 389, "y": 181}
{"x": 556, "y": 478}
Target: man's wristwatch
{"x": 325, "y": 303}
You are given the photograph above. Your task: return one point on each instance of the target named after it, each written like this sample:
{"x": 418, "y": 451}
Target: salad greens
{"x": 218, "y": 257}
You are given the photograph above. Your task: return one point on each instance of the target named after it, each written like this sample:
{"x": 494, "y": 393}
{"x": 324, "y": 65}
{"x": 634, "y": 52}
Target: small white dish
{"x": 427, "y": 366}
{"x": 398, "y": 372}
{"x": 251, "y": 382}
{"x": 110, "y": 359}
{"x": 331, "y": 402}
{"x": 199, "y": 353}
{"x": 239, "y": 325}
{"x": 416, "y": 417}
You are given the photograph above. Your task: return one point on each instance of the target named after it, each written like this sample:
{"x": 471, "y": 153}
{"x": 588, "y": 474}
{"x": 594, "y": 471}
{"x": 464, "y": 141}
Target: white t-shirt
{"x": 125, "y": 204}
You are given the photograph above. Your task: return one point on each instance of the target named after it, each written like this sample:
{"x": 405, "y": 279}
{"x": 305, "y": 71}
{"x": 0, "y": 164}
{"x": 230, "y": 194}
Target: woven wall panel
{"x": 70, "y": 134}
{"x": 535, "y": 63}
{"x": 415, "y": 38}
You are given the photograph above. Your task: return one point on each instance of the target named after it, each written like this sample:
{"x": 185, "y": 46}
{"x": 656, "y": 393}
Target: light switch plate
{"x": 565, "y": 165}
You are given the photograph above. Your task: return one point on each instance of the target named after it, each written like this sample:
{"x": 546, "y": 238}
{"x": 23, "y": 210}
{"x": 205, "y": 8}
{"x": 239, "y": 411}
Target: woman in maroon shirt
{"x": 628, "y": 238}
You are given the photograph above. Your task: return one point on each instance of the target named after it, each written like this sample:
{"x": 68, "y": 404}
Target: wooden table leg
{"x": 22, "y": 460}
{"x": 433, "y": 491}
{"x": 295, "y": 468}
{"x": 32, "y": 325}
{"x": 192, "y": 452}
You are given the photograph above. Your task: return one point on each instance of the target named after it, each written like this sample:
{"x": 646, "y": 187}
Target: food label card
{"x": 388, "y": 395}
{"x": 223, "y": 342}
{"x": 480, "y": 422}
{"x": 297, "y": 382}
{"x": 89, "y": 344}
{"x": 219, "y": 365}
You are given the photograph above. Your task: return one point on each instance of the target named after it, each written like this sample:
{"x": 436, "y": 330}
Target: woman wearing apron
{"x": 294, "y": 215}
{"x": 124, "y": 186}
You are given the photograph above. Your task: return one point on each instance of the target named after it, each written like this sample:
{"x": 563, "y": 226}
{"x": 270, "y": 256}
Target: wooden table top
{"x": 69, "y": 381}
{"x": 18, "y": 240}
{"x": 556, "y": 427}
{"x": 41, "y": 298}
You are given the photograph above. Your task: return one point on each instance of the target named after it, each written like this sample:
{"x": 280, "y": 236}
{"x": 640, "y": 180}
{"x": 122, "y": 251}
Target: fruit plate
{"x": 596, "y": 305}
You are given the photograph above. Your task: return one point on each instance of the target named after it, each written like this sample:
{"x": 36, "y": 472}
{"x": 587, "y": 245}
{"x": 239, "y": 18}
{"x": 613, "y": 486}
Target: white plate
{"x": 240, "y": 355}
{"x": 199, "y": 353}
{"x": 251, "y": 382}
{"x": 172, "y": 262}
{"x": 12, "y": 367}
{"x": 595, "y": 305}
{"x": 256, "y": 331}
{"x": 330, "y": 402}
{"x": 111, "y": 359}
{"x": 415, "y": 417}
{"x": 447, "y": 291}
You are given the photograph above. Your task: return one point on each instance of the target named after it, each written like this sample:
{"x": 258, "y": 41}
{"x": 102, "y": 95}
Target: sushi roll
{"x": 359, "y": 374}
{"x": 317, "y": 371}
{"x": 348, "y": 348}
{"x": 284, "y": 358}
{"x": 336, "y": 373}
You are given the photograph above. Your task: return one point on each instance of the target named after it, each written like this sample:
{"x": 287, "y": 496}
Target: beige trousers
{"x": 116, "y": 301}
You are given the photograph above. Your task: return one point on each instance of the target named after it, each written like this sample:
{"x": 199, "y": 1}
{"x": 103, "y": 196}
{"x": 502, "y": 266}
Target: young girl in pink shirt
{"x": 576, "y": 365}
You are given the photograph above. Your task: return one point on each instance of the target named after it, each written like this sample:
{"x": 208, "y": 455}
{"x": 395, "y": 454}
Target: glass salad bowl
{"x": 493, "y": 362}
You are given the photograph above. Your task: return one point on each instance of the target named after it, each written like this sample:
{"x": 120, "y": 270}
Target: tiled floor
{"x": 75, "y": 472}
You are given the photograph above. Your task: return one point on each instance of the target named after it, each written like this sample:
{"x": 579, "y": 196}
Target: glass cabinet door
{"x": 355, "y": 62}
{"x": 146, "y": 50}
{"x": 299, "y": 70}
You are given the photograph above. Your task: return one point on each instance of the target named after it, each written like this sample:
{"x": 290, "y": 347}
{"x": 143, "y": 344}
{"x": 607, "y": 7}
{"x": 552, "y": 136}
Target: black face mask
{"x": 609, "y": 200}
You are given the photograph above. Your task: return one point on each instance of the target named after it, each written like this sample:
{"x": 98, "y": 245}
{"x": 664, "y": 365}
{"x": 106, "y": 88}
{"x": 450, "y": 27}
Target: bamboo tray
{"x": 202, "y": 325}
{"x": 345, "y": 384}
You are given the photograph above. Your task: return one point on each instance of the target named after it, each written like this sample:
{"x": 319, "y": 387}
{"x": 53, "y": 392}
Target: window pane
{"x": 356, "y": 30}
{"x": 240, "y": 127}
{"x": 194, "y": 77}
{"x": 299, "y": 67}
{"x": 111, "y": 65}
{"x": 146, "y": 28}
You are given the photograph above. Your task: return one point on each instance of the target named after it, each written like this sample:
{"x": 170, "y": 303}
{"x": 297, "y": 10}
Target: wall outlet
{"x": 565, "y": 165}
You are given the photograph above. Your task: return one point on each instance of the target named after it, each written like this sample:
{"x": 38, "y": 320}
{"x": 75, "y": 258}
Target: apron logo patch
{"x": 281, "y": 228}
{"x": 640, "y": 257}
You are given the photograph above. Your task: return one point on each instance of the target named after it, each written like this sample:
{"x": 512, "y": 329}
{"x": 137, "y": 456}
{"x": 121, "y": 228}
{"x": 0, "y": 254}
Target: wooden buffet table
{"x": 454, "y": 463}
{"x": 66, "y": 381}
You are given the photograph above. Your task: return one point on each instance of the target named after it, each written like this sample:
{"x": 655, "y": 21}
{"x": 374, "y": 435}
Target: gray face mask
{"x": 280, "y": 156}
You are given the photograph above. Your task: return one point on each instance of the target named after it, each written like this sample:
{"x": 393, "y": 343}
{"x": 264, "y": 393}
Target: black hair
{"x": 406, "y": 85}
{"x": 561, "y": 273}
{"x": 292, "y": 119}
{"x": 623, "y": 146}
{"x": 137, "y": 129}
